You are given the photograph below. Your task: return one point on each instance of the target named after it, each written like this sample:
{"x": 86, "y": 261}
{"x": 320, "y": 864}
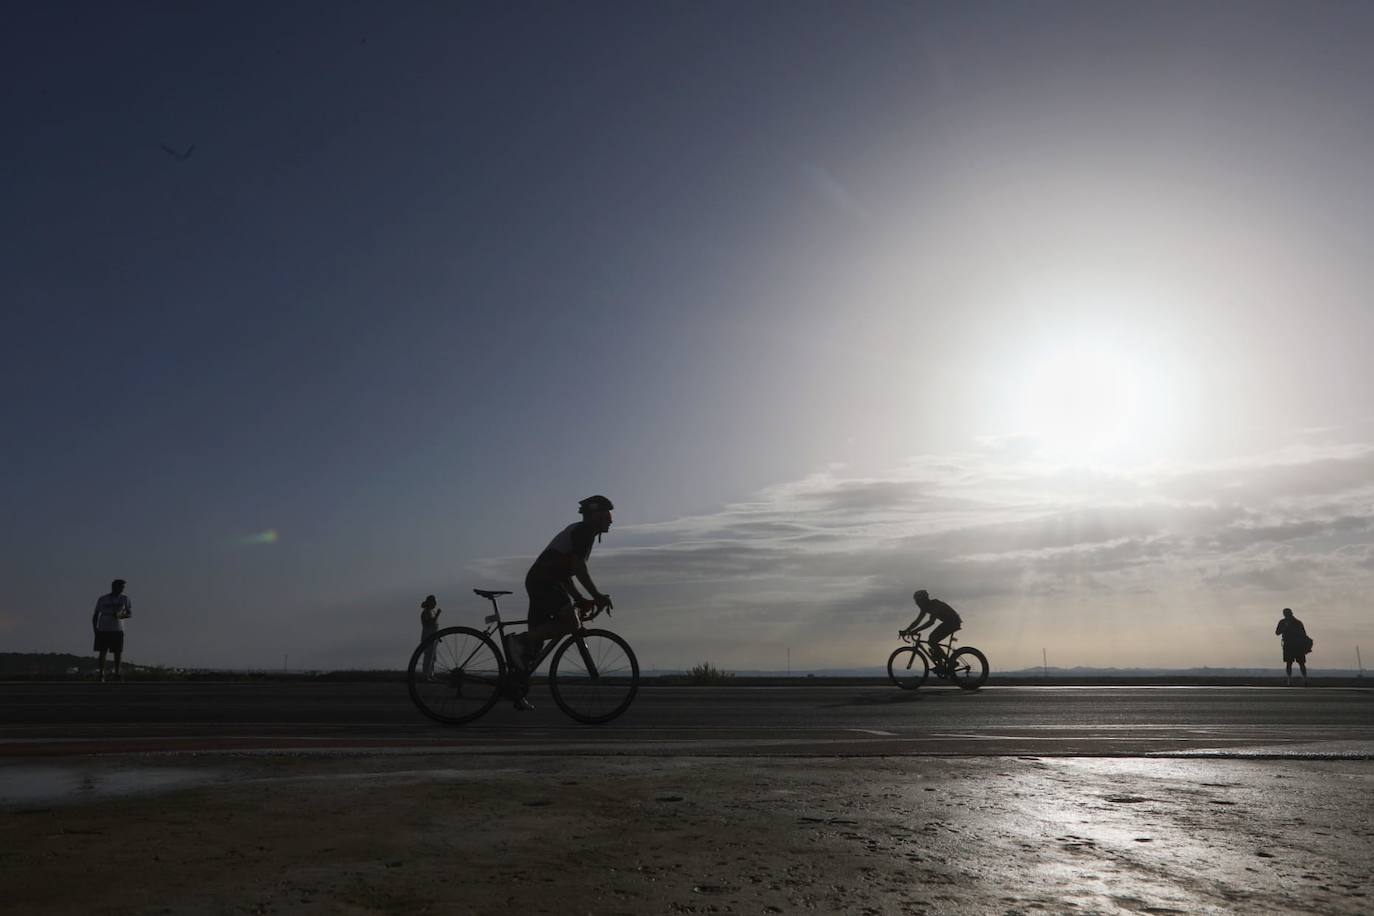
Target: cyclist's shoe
{"x": 523, "y": 705}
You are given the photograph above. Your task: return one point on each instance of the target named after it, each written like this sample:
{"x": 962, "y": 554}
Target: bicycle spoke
{"x": 968, "y": 668}
{"x": 599, "y": 685}
{"x": 907, "y": 668}
{"x": 465, "y": 677}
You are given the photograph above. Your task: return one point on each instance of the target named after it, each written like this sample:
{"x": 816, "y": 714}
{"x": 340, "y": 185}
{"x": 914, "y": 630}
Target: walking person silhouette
{"x": 1296, "y": 644}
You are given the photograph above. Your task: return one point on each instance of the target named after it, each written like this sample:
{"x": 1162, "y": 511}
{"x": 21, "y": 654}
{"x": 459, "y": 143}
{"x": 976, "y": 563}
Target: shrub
{"x": 706, "y": 674}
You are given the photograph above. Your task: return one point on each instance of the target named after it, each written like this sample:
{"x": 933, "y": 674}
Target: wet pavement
{"x": 855, "y": 799}
{"x": 65, "y": 782}
{"x": 681, "y": 834}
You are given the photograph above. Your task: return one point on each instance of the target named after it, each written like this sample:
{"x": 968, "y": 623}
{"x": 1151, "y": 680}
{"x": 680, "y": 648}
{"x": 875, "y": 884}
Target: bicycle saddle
{"x": 487, "y": 594}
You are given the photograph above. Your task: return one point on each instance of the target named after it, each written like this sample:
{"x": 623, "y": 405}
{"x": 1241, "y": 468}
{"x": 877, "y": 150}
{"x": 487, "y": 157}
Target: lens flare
{"x": 262, "y": 537}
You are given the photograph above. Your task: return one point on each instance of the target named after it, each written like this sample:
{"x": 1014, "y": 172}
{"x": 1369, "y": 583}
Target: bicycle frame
{"x": 593, "y": 685}
{"x": 494, "y": 624}
{"x": 923, "y": 646}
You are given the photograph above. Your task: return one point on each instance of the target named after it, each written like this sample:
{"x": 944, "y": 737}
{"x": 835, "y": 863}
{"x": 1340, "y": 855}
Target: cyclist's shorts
{"x": 547, "y": 599}
{"x": 944, "y": 628}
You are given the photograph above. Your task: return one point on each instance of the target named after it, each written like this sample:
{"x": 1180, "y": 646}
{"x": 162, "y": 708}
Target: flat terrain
{"x": 84, "y": 718}
{"x": 298, "y": 798}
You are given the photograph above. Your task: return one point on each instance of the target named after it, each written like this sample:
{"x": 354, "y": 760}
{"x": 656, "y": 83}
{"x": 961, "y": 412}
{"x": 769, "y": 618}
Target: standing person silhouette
{"x": 108, "y": 623}
{"x": 554, "y": 599}
{"x": 1296, "y": 645}
{"x": 429, "y": 625}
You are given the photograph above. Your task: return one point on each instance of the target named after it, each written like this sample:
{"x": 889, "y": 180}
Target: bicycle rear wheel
{"x": 594, "y": 676}
{"x": 466, "y": 676}
{"x": 907, "y": 667}
{"x": 968, "y": 668}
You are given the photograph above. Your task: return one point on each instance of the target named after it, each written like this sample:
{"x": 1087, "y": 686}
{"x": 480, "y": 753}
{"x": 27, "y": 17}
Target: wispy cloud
{"x": 830, "y": 189}
{"x": 997, "y": 535}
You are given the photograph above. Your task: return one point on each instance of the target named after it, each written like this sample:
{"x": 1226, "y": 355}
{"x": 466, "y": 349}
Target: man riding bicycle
{"x": 555, "y": 602}
{"x": 933, "y": 610}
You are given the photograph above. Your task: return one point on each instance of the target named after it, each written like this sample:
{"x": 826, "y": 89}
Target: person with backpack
{"x": 1296, "y": 644}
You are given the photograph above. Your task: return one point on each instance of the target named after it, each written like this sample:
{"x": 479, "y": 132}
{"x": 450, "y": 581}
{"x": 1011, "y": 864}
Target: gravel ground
{"x": 611, "y": 835}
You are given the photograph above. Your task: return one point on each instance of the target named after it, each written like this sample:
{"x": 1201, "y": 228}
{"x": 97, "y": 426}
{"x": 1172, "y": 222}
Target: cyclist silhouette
{"x": 936, "y": 611}
{"x": 554, "y": 598}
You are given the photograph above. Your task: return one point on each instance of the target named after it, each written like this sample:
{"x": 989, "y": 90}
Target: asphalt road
{"x": 64, "y": 718}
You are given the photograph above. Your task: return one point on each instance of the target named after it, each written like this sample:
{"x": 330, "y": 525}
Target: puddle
{"x": 23, "y": 784}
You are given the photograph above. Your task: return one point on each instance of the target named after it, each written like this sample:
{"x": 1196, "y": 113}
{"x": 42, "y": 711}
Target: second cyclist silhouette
{"x": 938, "y": 613}
{"x": 552, "y": 585}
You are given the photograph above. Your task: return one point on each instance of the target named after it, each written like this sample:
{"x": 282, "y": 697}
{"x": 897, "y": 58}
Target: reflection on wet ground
{"x": 107, "y": 779}
{"x": 875, "y": 835}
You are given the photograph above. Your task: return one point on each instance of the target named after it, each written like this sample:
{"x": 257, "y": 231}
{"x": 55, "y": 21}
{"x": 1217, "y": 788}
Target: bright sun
{"x": 1089, "y": 401}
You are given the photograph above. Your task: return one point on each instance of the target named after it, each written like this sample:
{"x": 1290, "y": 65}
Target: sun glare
{"x": 1089, "y": 401}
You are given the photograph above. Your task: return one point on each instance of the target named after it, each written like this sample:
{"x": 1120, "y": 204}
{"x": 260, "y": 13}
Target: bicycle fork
{"x": 586, "y": 656}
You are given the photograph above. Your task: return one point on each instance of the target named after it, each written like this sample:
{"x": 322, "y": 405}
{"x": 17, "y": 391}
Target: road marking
{"x": 873, "y": 731}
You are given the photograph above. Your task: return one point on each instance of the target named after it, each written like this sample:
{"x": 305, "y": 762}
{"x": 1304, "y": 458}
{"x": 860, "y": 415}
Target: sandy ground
{"x": 611, "y": 835}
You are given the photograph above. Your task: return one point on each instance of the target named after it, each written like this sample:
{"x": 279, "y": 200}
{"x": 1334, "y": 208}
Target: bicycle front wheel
{"x": 456, "y": 675}
{"x": 594, "y": 676}
{"x": 907, "y": 667}
{"x": 968, "y": 668}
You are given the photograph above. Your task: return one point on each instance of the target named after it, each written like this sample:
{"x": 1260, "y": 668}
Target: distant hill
{"x": 1038, "y": 672}
{"x": 1084, "y": 672}
{"x": 52, "y": 663}
{"x": 61, "y": 664}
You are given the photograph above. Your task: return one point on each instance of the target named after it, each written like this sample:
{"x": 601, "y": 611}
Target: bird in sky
{"x": 180, "y": 157}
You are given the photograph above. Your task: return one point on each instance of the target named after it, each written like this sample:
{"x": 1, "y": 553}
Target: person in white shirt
{"x": 108, "y": 622}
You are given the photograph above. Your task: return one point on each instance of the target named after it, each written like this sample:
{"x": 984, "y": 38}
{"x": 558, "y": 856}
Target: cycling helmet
{"x": 597, "y": 503}
{"x": 920, "y": 595}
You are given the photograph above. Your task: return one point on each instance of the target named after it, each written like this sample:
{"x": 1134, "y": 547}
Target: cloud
{"x": 832, "y": 191}
{"x": 997, "y": 534}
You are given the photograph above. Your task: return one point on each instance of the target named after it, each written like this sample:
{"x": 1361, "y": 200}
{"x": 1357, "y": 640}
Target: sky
{"x": 1058, "y": 310}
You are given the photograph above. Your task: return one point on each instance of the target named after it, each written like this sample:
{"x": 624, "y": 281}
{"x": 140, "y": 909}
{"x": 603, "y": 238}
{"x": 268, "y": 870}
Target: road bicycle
{"x": 910, "y": 665}
{"x": 459, "y": 673}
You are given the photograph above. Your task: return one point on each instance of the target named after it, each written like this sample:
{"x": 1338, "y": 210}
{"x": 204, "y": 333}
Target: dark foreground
{"x": 248, "y": 799}
{"x": 455, "y": 834}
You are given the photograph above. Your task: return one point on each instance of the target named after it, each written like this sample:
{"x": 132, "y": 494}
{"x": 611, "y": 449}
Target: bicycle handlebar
{"x": 587, "y": 617}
